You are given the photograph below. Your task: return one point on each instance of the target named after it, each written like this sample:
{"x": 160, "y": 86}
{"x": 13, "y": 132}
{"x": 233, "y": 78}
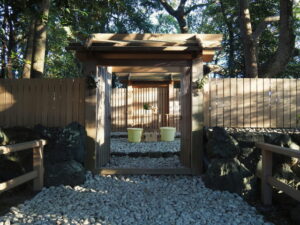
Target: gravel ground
{"x": 144, "y": 162}
{"x": 180, "y": 200}
{"x": 262, "y": 130}
{"x": 121, "y": 145}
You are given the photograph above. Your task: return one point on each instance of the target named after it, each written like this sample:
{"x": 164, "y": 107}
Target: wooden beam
{"x": 139, "y": 56}
{"x": 19, "y": 147}
{"x": 149, "y": 171}
{"x": 7, "y": 185}
{"x": 279, "y": 150}
{"x": 141, "y": 69}
{"x": 197, "y": 117}
{"x": 145, "y": 49}
{"x": 38, "y": 166}
{"x": 142, "y": 62}
{"x": 292, "y": 192}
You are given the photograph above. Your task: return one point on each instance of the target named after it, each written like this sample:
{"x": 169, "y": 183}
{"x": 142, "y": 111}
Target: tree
{"x": 40, "y": 40}
{"x": 181, "y": 12}
{"x": 250, "y": 40}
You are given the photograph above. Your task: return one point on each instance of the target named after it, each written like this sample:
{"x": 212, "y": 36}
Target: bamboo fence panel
{"x": 257, "y": 102}
{"x": 50, "y": 102}
{"x": 159, "y": 114}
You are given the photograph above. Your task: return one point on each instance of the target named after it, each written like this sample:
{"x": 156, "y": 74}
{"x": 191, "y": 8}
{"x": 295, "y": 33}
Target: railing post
{"x": 38, "y": 166}
{"x": 266, "y": 189}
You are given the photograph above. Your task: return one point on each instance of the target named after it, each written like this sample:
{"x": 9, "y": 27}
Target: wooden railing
{"x": 37, "y": 175}
{"x": 267, "y": 180}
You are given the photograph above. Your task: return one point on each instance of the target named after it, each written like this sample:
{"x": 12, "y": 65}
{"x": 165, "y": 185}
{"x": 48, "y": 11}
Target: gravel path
{"x": 179, "y": 200}
{"x": 122, "y": 145}
{"x": 144, "y": 162}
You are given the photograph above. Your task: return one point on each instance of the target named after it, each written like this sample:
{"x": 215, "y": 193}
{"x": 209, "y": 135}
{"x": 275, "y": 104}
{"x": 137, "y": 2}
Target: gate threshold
{"x": 144, "y": 171}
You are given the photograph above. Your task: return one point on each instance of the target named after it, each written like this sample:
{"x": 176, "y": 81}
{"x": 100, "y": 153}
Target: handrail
{"x": 37, "y": 175}
{"x": 267, "y": 180}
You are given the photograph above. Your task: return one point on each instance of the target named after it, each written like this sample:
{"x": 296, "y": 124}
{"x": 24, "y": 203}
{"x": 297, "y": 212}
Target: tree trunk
{"x": 276, "y": 64}
{"x": 250, "y": 54}
{"x": 3, "y": 49}
{"x": 40, "y": 41}
{"x": 230, "y": 40}
{"x": 11, "y": 43}
{"x": 29, "y": 51}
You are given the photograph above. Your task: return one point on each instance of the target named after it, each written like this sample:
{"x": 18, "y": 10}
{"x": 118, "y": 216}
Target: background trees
{"x": 261, "y": 38}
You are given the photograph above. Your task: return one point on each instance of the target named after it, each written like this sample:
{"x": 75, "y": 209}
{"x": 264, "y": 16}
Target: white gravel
{"x": 121, "y": 145}
{"x": 178, "y": 200}
{"x": 144, "y": 162}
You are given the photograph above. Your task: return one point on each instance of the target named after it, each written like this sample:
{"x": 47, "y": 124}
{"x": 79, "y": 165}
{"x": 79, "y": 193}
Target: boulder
{"x": 75, "y": 136}
{"x": 16, "y": 135}
{"x": 250, "y": 157}
{"x": 248, "y": 140}
{"x": 221, "y": 144}
{"x": 230, "y": 175}
{"x": 64, "y": 173}
{"x": 64, "y": 144}
{"x": 9, "y": 169}
{"x": 3, "y": 138}
{"x": 285, "y": 174}
{"x": 295, "y": 214}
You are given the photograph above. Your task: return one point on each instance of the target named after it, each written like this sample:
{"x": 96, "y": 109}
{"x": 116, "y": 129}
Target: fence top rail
{"x": 21, "y": 146}
{"x": 279, "y": 150}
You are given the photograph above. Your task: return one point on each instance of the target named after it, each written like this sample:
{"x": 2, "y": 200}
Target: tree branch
{"x": 192, "y": 8}
{"x": 167, "y": 7}
{"x": 262, "y": 26}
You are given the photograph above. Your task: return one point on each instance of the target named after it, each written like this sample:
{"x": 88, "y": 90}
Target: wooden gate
{"x": 103, "y": 124}
{"x": 150, "y": 107}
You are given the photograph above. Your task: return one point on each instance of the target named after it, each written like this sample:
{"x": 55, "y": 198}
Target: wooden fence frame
{"x": 267, "y": 181}
{"x": 37, "y": 175}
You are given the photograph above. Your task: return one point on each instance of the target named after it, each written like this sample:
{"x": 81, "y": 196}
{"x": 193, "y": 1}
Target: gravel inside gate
{"x": 134, "y": 200}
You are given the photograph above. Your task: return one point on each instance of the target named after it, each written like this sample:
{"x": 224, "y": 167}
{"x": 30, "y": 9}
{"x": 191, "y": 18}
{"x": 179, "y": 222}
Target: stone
{"x": 285, "y": 174}
{"x": 248, "y": 140}
{"x": 64, "y": 173}
{"x": 221, "y": 144}
{"x": 250, "y": 157}
{"x": 228, "y": 175}
{"x": 75, "y": 136}
{"x": 3, "y": 138}
{"x": 295, "y": 214}
{"x": 296, "y": 169}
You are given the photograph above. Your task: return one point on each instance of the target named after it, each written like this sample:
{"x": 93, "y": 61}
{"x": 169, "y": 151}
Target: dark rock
{"x": 221, "y": 144}
{"x": 285, "y": 174}
{"x": 248, "y": 140}
{"x": 9, "y": 169}
{"x": 296, "y": 169}
{"x": 64, "y": 144}
{"x": 229, "y": 175}
{"x": 75, "y": 136}
{"x": 20, "y": 134}
{"x": 250, "y": 157}
{"x": 295, "y": 214}
{"x": 3, "y": 138}
{"x": 64, "y": 173}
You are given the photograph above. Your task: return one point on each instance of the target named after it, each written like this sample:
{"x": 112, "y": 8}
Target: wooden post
{"x": 185, "y": 122}
{"x": 129, "y": 105}
{"x": 197, "y": 117}
{"x": 38, "y": 166}
{"x": 90, "y": 118}
{"x": 266, "y": 189}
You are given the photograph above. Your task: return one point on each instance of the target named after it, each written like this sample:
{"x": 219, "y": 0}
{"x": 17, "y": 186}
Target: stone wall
{"x": 64, "y": 153}
{"x": 232, "y": 161}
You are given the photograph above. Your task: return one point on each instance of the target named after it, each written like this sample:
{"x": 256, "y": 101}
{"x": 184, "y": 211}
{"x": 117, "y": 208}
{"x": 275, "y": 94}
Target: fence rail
{"x": 37, "y": 175}
{"x": 267, "y": 180}
{"x": 128, "y": 108}
{"x": 50, "y": 102}
{"x": 237, "y": 102}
